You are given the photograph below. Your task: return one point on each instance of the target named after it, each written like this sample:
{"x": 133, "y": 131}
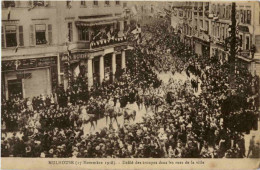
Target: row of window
{"x": 13, "y": 36}
{"x": 41, "y": 34}
{"x": 245, "y": 16}
{"x": 221, "y": 31}
{"x": 95, "y": 2}
{"x": 223, "y": 11}
{"x": 12, "y": 3}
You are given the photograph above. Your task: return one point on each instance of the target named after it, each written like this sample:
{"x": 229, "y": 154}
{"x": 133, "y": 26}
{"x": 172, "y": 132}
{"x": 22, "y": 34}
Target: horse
{"x": 129, "y": 114}
{"x": 111, "y": 112}
{"x": 84, "y": 117}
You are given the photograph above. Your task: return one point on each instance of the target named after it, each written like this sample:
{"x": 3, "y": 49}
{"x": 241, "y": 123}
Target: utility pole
{"x": 233, "y": 44}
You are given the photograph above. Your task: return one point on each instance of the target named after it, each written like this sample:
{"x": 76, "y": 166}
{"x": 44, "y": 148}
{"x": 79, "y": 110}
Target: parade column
{"x": 90, "y": 73}
{"x": 113, "y": 65}
{"x": 123, "y": 60}
{"x": 101, "y": 69}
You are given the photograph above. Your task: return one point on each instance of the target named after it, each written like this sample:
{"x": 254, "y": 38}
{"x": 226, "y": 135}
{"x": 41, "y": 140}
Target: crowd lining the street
{"x": 184, "y": 125}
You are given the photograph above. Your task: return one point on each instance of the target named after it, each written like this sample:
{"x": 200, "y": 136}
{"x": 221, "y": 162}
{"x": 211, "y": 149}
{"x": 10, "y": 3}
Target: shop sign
{"x": 28, "y": 63}
{"x": 49, "y": 61}
{"x": 79, "y": 56}
{"x": 75, "y": 56}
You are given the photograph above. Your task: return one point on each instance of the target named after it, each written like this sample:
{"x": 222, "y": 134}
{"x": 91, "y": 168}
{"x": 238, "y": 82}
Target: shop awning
{"x": 97, "y": 21}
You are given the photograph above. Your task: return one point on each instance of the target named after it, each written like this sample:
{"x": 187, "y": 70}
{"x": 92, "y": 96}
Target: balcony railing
{"x": 102, "y": 43}
{"x": 98, "y": 43}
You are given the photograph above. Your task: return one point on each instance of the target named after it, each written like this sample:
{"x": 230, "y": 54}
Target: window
{"x": 241, "y": 41}
{"x": 118, "y": 26}
{"x": 241, "y": 16}
{"x": 95, "y": 2}
{"x": 83, "y": 34}
{"x": 125, "y": 25}
{"x": 245, "y": 17}
{"x": 117, "y": 2}
{"x": 218, "y": 31}
{"x": 70, "y": 35}
{"x": 107, "y": 2}
{"x": 224, "y": 11}
{"x": 38, "y": 3}
{"x": 248, "y": 17}
{"x": 40, "y": 33}
{"x": 124, "y": 4}
{"x": 83, "y": 3}
{"x": 3, "y": 37}
{"x": 247, "y": 42}
{"x": 8, "y": 4}
{"x": 68, "y": 3}
{"x": 21, "y": 43}
{"x": 10, "y": 36}
{"x": 207, "y": 26}
{"x": 201, "y": 23}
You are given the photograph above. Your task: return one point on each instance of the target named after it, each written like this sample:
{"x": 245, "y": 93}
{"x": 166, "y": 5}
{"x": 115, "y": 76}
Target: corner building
{"x": 43, "y": 42}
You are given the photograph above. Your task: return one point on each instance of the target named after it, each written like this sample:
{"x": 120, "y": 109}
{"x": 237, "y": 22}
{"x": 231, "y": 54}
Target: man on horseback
{"x": 129, "y": 113}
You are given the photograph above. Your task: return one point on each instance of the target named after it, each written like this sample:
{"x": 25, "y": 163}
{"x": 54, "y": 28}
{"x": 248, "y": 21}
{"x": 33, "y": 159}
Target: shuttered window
{"x": 70, "y": 33}
{"x": 245, "y": 16}
{"x": 248, "y": 17}
{"x": 3, "y": 38}
{"x": 241, "y": 16}
{"x": 32, "y": 39}
{"x": 21, "y": 41}
{"x": 11, "y": 36}
{"x": 50, "y": 34}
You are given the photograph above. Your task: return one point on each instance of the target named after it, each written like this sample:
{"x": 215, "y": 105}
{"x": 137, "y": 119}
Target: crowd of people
{"x": 183, "y": 125}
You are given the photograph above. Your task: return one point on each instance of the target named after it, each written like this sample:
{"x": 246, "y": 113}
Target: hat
{"x": 28, "y": 149}
{"x": 51, "y": 151}
{"x": 97, "y": 148}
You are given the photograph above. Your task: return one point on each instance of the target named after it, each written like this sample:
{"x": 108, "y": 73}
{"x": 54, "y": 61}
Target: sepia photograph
{"x": 130, "y": 79}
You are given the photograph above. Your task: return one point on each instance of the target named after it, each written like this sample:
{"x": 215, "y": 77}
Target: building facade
{"x": 45, "y": 41}
{"x": 205, "y": 27}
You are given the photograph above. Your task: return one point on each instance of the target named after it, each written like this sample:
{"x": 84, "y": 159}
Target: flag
{"x": 76, "y": 71}
{"x": 17, "y": 64}
{"x": 16, "y": 49}
{"x": 9, "y": 13}
{"x": 32, "y": 6}
{"x": 134, "y": 10}
{"x": 68, "y": 52}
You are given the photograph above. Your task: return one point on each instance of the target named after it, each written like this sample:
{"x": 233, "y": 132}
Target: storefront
{"x": 29, "y": 77}
{"x": 201, "y": 47}
{"x": 72, "y": 67}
